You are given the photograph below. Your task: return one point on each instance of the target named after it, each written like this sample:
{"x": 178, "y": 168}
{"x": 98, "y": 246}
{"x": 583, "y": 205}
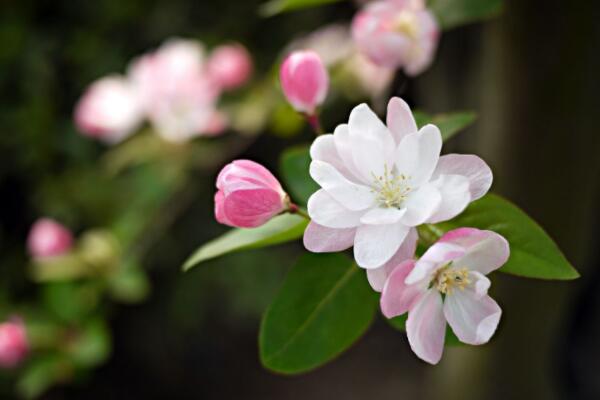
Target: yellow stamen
{"x": 391, "y": 189}
{"x": 447, "y": 279}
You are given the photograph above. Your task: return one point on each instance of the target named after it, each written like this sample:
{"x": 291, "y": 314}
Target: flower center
{"x": 447, "y": 279}
{"x": 406, "y": 23}
{"x": 390, "y": 188}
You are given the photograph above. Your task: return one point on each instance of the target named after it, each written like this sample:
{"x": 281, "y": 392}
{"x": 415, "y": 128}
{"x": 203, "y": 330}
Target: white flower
{"x": 378, "y": 182}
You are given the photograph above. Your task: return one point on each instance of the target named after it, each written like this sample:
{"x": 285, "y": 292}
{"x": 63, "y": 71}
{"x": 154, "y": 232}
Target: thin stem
{"x": 315, "y": 123}
{"x": 294, "y": 209}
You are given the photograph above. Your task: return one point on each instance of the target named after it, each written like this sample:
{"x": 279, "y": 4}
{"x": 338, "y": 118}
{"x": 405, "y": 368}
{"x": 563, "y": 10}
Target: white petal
{"x": 398, "y": 297}
{"x": 474, "y": 168}
{"x": 435, "y": 257}
{"x": 473, "y": 319}
{"x": 324, "y": 210}
{"x": 481, "y": 283}
{"x": 351, "y": 195}
{"x": 489, "y": 253}
{"x": 400, "y": 120}
{"x": 343, "y": 144}
{"x": 324, "y": 149}
{"x": 418, "y": 154}
{"x": 382, "y": 216}
{"x": 374, "y": 245}
{"x": 421, "y": 204}
{"x": 378, "y": 276}
{"x": 426, "y": 327}
{"x": 454, "y": 190}
{"x": 321, "y": 239}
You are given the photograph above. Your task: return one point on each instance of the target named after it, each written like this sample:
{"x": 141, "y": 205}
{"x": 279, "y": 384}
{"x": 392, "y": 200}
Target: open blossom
{"x": 397, "y": 34}
{"x": 48, "y": 238}
{"x": 230, "y": 66}
{"x": 378, "y": 182}
{"x": 248, "y": 195}
{"x": 179, "y": 96}
{"x": 447, "y": 284}
{"x": 109, "y": 110}
{"x": 13, "y": 343}
{"x": 304, "y": 80}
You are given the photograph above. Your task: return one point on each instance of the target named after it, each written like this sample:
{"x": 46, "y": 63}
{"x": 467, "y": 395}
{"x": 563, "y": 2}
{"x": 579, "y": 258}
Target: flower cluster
{"x": 176, "y": 88}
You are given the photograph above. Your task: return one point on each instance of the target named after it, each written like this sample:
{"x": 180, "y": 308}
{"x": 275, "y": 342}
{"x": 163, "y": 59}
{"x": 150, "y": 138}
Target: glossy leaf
{"x": 450, "y": 124}
{"x": 281, "y": 229}
{"x": 273, "y": 7}
{"x": 294, "y": 167}
{"x": 453, "y": 13}
{"x": 533, "y": 253}
{"x": 324, "y": 306}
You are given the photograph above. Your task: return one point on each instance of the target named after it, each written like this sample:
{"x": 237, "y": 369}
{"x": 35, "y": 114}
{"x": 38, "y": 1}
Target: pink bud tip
{"x": 304, "y": 80}
{"x": 13, "y": 343}
{"x": 248, "y": 195}
{"x": 108, "y": 110}
{"x": 48, "y": 238}
{"x": 230, "y": 66}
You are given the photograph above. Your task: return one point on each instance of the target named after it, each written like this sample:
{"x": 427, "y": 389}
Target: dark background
{"x": 531, "y": 75}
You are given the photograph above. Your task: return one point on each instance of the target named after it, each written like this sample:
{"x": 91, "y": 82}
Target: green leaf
{"x": 42, "y": 373}
{"x": 450, "y": 124}
{"x": 294, "y": 165}
{"x": 324, "y": 306}
{"x": 533, "y": 253}
{"x": 453, "y": 13}
{"x": 91, "y": 345}
{"x": 274, "y": 7}
{"x": 281, "y": 229}
{"x": 399, "y": 323}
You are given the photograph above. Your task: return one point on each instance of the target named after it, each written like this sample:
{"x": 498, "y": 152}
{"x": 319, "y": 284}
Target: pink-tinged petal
{"x": 374, "y": 245}
{"x": 304, "y": 80}
{"x": 400, "y": 120}
{"x": 382, "y": 216}
{"x": 435, "y": 257}
{"x": 398, "y": 297}
{"x": 426, "y": 327}
{"x": 230, "y": 66}
{"x": 473, "y": 318}
{"x": 472, "y": 167}
{"x": 321, "y": 239}
{"x": 426, "y": 43}
{"x": 486, "y": 251}
{"x": 421, "y": 205}
{"x": 418, "y": 154}
{"x": 378, "y": 276}
{"x": 48, "y": 238}
{"x": 252, "y": 208}
{"x": 454, "y": 190}
{"x": 220, "y": 209}
{"x": 14, "y": 344}
{"x": 481, "y": 283}
{"x": 351, "y": 195}
{"x": 246, "y": 171}
{"x": 324, "y": 210}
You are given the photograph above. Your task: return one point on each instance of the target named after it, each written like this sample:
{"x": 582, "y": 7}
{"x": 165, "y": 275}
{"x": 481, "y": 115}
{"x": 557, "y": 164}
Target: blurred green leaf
{"x": 42, "y": 373}
{"x": 90, "y": 346}
{"x": 453, "y": 13}
{"x": 129, "y": 285}
{"x": 399, "y": 323}
{"x": 533, "y": 253}
{"x": 324, "y": 306}
{"x": 70, "y": 301}
{"x": 281, "y": 229}
{"x": 274, "y": 7}
{"x": 294, "y": 165}
{"x": 450, "y": 124}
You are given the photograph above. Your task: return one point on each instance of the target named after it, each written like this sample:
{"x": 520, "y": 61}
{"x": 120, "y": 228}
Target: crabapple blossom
{"x": 448, "y": 283}
{"x": 230, "y": 66}
{"x": 109, "y": 110}
{"x": 48, "y": 238}
{"x": 13, "y": 343}
{"x": 397, "y": 34}
{"x": 248, "y": 195}
{"x": 377, "y": 182}
{"x": 304, "y": 80}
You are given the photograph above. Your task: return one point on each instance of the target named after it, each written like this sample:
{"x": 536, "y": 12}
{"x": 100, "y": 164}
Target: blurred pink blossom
{"x": 304, "y": 80}
{"x": 48, "y": 238}
{"x": 13, "y": 343}
{"x": 230, "y": 66}
{"x": 248, "y": 195}
{"x": 397, "y": 34}
{"x": 109, "y": 109}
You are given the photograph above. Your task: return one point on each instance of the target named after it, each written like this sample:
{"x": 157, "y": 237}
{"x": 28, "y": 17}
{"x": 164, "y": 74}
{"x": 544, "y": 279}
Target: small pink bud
{"x": 13, "y": 343}
{"x": 230, "y": 66}
{"x": 397, "y": 34}
{"x": 48, "y": 238}
{"x": 304, "y": 80}
{"x": 248, "y": 195}
{"x": 109, "y": 109}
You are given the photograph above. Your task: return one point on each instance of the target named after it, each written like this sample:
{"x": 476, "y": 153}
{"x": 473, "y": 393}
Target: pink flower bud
{"x": 397, "y": 34}
{"x": 13, "y": 343}
{"x": 230, "y": 66}
{"x": 109, "y": 109}
{"x": 48, "y": 238}
{"x": 248, "y": 195}
{"x": 304, "y": 80}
